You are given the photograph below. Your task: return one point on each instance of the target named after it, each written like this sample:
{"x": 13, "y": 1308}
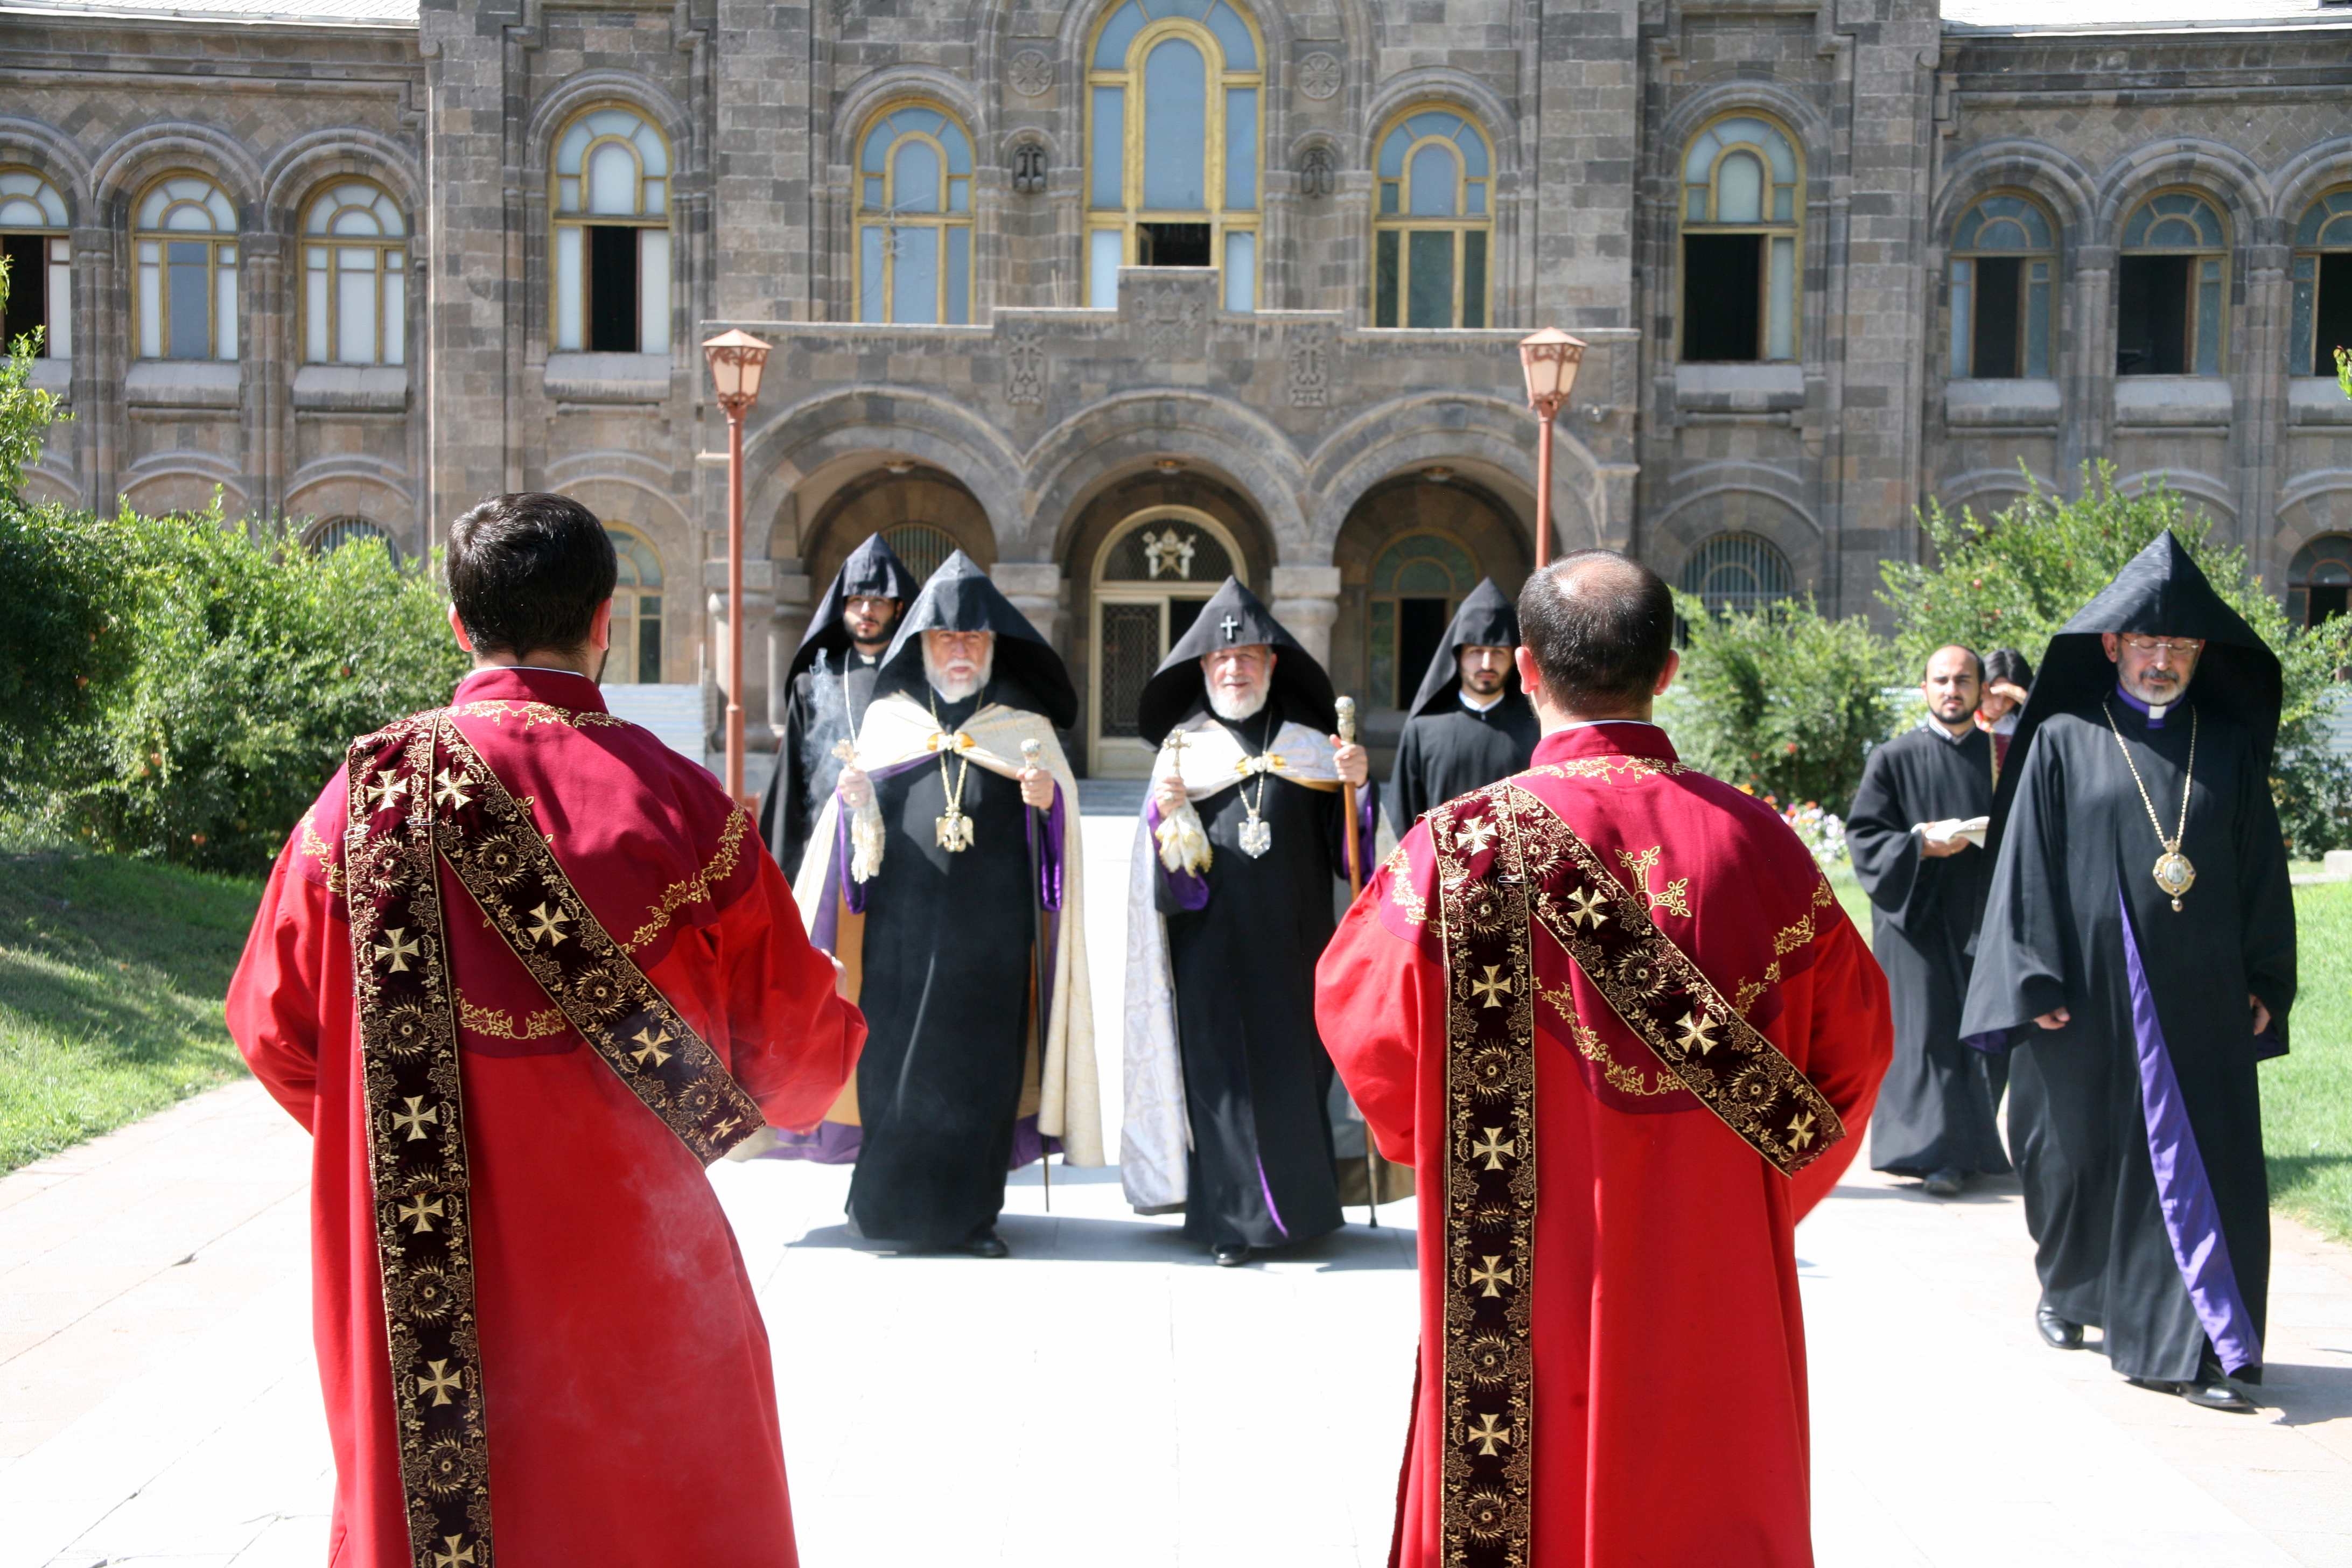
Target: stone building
{"x": 1119, "y": 295}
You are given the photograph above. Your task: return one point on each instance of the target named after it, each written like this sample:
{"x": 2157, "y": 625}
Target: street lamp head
{"x": 736, "y": 362}
{"x": 1549, "y": 359}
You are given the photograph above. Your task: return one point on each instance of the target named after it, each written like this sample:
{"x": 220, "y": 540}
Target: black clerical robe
{"x": 1257, "y": 1078}
{"x": 1458, "y": 749}
{"x": 827, "y": 703}
{"x": 2137, "y": 1126}
{"x": 1936, "y": 1108}
{"x": 947, "y": 958}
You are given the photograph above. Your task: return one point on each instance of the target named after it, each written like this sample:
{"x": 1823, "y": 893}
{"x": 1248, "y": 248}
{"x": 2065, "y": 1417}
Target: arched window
{"x": 186, "y": 242}
{"x": 1737, "y": 571}
{"x": 2172, "y": 292}
{"x": 2323, "y": 284}
{"x": 1417, "y": 584}
{"x": 1172, "y": 89}
{"x": 1432, "y": 223}
{"x": 1153, "y": 576}
{"x": 612, "y": 235}
{"x": 2319, "y": 581}
{"x": 636, "y": 654}
{"x": 333, "y": 533}
{"x": 354, "y": 278}
{"x": 914, "y": 218}
{"x": 1743, "y": 212}
{"x": 923, "y": 548}
{"x": 2004, "y": 255}
{"x": 41, "y": 264}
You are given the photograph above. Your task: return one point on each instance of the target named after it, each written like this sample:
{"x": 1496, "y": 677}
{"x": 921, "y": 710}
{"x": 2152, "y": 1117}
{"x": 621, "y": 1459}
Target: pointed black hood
{"x": 1486, "y": 619}
{"x": 1232, "y": 618}
{"x": 2159, "y": 592}
{"x": 872, "y": 570}
{"x": 960, "y": 598}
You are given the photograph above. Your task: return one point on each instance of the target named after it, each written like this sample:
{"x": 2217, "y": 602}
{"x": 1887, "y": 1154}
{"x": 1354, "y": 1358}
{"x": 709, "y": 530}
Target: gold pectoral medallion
{"x": 2175, "y": 875}
{"x": 953, "y": 831}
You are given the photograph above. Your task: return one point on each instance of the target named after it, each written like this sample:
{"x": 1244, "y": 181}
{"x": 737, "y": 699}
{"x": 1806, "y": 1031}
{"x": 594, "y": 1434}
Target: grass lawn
{"x": 2307, "y": 1094}
{"x": 111, "y": 976}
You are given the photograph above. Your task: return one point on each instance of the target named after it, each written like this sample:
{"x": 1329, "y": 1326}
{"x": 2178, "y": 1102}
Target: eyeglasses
{"x": 2175, "y": 646}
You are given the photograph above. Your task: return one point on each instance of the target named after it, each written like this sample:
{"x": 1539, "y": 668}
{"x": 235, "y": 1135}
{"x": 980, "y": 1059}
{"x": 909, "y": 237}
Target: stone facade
{"x": 1323, "y": 454}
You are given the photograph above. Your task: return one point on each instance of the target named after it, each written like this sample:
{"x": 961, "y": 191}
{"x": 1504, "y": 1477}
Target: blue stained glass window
{"x": 1233, "y": 37}
{"x": 1435, "y": 175}
{"x": 1240, "y": 149}
{"x": 869, "y": 274}
{"x": 1107, "y": 153}
{"x": 958, "y": 277}
{"x": 1110, "y": 47}
{"x": 914, "y": 179}
{"x": 915, "y": 276}
{"x": 1175, "y": 127}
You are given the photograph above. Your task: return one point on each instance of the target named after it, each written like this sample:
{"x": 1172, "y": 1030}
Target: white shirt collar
{"x": 1475, "y": 705}
{"x": 1935, "y": 726}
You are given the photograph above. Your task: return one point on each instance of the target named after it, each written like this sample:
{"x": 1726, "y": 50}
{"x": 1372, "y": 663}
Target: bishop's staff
{"x": 1346, "y": 710}
{"x": 1041, "y": 983}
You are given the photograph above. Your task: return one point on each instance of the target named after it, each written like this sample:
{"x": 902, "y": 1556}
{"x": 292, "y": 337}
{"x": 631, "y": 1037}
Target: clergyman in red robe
{"x": 522, "y": 972}
{"x": 1611, "y": 1010}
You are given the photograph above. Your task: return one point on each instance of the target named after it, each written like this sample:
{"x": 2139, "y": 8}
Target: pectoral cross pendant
{"x": 1257, "y": 835}
{"x": 954, "y": 831}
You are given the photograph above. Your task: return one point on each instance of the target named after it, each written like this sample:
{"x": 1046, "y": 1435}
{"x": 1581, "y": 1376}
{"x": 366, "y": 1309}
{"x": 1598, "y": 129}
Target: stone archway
{"x": 923, "y": 511}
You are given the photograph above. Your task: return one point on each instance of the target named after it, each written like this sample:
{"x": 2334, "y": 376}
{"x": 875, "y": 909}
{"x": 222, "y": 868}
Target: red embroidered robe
{"x": 1668, "y": 1344}
{"x": 631, "y": 1407}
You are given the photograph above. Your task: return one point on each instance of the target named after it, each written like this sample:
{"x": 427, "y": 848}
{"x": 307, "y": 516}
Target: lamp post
{"x": 736, "y": 362}
{"x": 1548, "y": 359}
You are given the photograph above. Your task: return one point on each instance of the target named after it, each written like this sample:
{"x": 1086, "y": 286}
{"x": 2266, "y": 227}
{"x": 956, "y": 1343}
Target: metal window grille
{"x": 1737, "y": 571}
{"x": 923, "y": 548}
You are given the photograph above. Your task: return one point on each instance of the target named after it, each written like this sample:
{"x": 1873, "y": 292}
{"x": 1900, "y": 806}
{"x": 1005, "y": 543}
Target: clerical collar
{"x": 1936, "y": 725}
{"x": 2153, "y": 713}
{"x": 1475, "y": 705}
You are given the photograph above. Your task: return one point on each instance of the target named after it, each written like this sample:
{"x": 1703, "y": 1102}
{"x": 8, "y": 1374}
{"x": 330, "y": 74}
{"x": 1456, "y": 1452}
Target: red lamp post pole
{"x": 734, "y": 407}
{"x": 1547, "y": 410}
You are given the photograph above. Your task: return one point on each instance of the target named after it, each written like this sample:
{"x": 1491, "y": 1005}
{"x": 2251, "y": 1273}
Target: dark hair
{"x": 528, "y": 570}
{"x": 1974, "y": 657}
{"x": 1601, "y": 627}
{"x": 2008, "y": 664}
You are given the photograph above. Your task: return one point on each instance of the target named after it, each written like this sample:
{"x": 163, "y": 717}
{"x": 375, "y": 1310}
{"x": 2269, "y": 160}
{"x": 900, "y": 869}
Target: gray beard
{"x": 1234, "y": 709}
{"x": 957, "y": 690}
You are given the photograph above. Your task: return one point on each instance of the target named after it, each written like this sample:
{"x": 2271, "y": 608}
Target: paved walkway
{"x": 1105, "y": 1397}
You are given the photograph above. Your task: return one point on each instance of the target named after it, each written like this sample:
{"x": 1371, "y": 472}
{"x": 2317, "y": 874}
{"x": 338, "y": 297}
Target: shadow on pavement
{"x": 2306, "y": 1395}
{"x": 1051, "y": 1238}
{"x": 1980, "y": 1190}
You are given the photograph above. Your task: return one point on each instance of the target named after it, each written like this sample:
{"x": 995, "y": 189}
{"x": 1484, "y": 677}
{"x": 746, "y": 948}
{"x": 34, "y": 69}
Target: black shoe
{"x": 1230, "y": 1254}
{"x": 1946, "y": 1183}
{"x": 987, "y": 1243}
{"x": 2056, "y": 1331}
{"x": 2216, "y": 1393}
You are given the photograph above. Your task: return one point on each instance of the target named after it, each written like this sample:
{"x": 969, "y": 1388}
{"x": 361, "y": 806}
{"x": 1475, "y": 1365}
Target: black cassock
{"x": 1936, "y": 1108}
{"x": 827, "y": 704}
{"x": 1257, "y": 1081}
{"x": 1455, "y": 749}
{"x": 947, "y": 955}
{"x": 2137, "y": 1126}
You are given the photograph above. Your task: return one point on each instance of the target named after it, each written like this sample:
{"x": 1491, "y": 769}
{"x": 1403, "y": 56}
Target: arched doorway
{"x": 2319, "y": 581}
{"x": 1412, "y": 547}
{"x": 922, "y": 512}
{"x": 1150, "y": 577}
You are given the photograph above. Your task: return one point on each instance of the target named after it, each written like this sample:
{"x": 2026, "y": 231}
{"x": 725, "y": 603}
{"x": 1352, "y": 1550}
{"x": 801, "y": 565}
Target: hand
{"x": 1170, "y": 796}
{"x": 2262, "y": 1014}
{"x": 2010, "y": 689}
{"x": 1354, "y": 763}
{"x": 1037, "y": 787}
{"x": 857, "y": 790}
{"x": 840, "y": 978}
{"x": 1938, "y": 839}
{"x": 2056, "y": 1018}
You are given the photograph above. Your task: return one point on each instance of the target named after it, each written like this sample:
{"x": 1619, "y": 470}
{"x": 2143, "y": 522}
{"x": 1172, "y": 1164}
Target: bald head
{"x": 1598, "y": 627}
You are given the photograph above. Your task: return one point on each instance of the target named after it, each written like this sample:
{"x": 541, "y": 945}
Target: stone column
{"x": 1037, "y": 591}
{"x": 787, "y": 619}
{"x": 1307, "y": 600}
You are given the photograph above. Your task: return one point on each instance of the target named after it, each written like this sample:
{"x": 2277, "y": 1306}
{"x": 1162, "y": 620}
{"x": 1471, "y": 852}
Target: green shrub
{"x": 2013, "y": 581}
{"x": 1782, "y": 702}
{"x": 252, "y": 664}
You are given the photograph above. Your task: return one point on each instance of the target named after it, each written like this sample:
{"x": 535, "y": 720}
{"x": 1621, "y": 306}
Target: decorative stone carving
{"x": 1031, "y": 73}
{"x": 1319, "y": 173}
{"x": 1309, "y": 351}
{"x": 1173, "y": 319}
{"x": 1319, "y": 75}
{"x": 1025, "y": 362}
{"x": 1028, "y": 168}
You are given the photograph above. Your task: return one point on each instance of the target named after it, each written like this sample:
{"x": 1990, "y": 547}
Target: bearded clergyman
{"x": 1470, "y": 724}
{"x": 2138, "y": 945}
{"x": 1244, "y": 838}
{"x": 945, "y": 875}
{"x": 521, "y": 973}
{"x": 832, "y": 680}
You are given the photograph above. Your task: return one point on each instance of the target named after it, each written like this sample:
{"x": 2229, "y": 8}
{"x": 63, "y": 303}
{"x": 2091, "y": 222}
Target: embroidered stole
{"x": 1506, "y": 862}
{"x": 405, "y": 817}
